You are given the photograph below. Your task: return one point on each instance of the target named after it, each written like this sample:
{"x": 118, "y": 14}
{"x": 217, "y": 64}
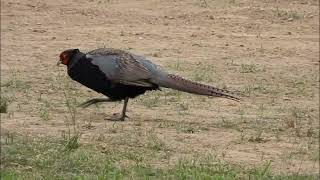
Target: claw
{"x": 117, "y": 117}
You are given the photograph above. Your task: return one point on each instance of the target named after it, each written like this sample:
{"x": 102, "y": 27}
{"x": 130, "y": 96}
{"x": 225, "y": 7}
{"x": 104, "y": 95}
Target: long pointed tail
{"x": 181, "y": 84}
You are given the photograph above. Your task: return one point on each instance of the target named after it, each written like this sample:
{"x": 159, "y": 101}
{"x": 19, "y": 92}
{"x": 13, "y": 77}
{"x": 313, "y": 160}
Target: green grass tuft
{"x": 24, "y": 158}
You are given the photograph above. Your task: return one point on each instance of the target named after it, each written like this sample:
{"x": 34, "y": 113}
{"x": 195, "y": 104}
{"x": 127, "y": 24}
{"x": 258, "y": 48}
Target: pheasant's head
{"x": 66, "y": 55}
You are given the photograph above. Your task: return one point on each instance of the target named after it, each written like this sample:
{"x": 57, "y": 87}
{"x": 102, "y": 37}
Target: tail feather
{"x": 181, "y": 84}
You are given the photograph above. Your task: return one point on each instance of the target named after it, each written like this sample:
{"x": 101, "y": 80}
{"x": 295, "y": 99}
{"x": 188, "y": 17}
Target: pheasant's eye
{"x": 64, "y": 58}
{"x": 61, "y": 56}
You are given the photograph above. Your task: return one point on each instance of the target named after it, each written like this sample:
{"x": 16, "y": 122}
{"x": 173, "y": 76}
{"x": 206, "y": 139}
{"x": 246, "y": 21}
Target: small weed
{"x": 290, "y": 122}
{"x": 114, "y": 129}
{"x": 203, "y": 167}
{"x": 199, "y": 76}
{"x": 204, "y": 73}
{"x": 71, "y": 116}
{"x": 295, "y": 15}
{"x": 71, "y": 104}
{"x": 167, "y": 124}
{"x": 296, "y": 119}
{"x": 73, "y": 135}
{"x": 177, "y": 66}
{"x": 203, "y": 3}
{"x": 276, "y": 132}
{"x": 152, "y": 100}
{"x": 101, "y": 137}
{"x": 104, "y": 2}
{"x": 44, "y": 113}
{"x": 137, "y": 157}
{"x": 228, "y": 124}
{"x": 287, "y": 15}
{"x": 137, "y": 123}
{"x": 4, "y": 104}
{"x": 251, "y": 68}
{"x": 72, "y": 142}
{"x": 9, "y": 138}
{"x": 15, "y": 82}
{"x": 171, "y": 95}
{"x": 190, "y": 130}
{"x": 257, "y": 138}
{"x": 242, "y": 135}
{"x": 182, "y": 108}
{"x": 88, "y": 123}
{"x": 263, "y": 171}
{"x": 248, "y": 68}
{"x": 44, "y": 110}
{"x": 300, "y": 86}
{"x": 232, "y": 1}
{"x": 155, "y": 143}
{"x": 186, "y": 128}
{"x": 316, "y": 156}
{"x": 250, "y": 89}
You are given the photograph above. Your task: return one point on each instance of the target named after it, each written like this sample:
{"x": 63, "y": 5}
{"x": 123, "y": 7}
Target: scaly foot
{"x": 117, "y": 117}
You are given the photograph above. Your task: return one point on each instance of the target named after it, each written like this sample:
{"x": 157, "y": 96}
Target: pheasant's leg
{"x": 122, "y": 116}
{"x": 94, "y": 101}
{"x": 124, "y": 109}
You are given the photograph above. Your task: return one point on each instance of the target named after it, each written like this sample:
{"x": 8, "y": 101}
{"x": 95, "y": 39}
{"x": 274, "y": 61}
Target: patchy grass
{"x": 155, "y": 143}
{"x": 268, "y": 55}
{"x": 24, "y": 158}
{"x": 72, "y": 142}
{"x": 152, "y": 99}
{"x": 15, "y": 82}
{"x": 288, "y": 15}
{"x": 251, "y": 68}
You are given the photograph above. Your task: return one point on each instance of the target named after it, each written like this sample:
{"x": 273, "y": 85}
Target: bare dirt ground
{"x": 268, "y": 50}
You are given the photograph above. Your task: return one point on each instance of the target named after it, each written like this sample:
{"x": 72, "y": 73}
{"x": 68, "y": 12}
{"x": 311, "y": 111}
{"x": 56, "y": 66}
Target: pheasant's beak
{"x": 58, "y": 63}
